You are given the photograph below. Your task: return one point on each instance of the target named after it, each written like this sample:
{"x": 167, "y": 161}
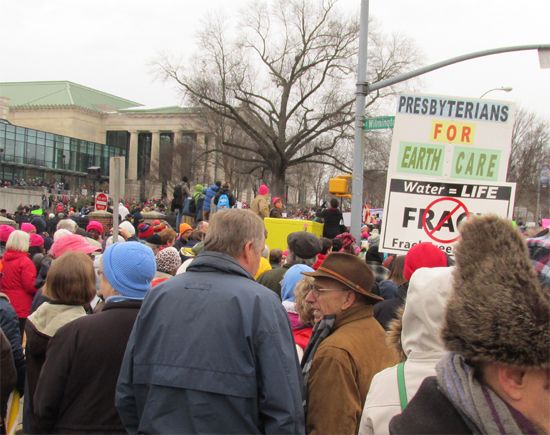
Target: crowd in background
{"x": 195, "y": 325}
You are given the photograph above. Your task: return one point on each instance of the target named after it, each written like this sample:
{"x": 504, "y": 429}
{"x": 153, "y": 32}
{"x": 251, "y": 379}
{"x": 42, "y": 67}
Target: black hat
{"x": 303, "y": 244}
{"x": 154, "y": 240}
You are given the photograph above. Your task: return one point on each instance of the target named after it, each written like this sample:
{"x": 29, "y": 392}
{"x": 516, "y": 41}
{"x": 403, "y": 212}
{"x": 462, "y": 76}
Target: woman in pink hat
{"x": 260, "y": 204}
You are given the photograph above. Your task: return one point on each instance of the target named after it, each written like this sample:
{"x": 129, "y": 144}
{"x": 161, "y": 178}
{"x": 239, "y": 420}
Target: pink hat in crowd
{"x": 95, "y": 225}
{"x": 275, "y": 199}
{"x": 263, "y": 190}
{"x": 28, "y": 228}
{"x": 74, "y": 243}
{"x": 36, "y": 240}
{"x": 5, "y": 231}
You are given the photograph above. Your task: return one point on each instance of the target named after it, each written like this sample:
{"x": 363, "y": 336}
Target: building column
{"x": 202, "y": 145}
{"x": 133, "y": 156}
{"x": 154, "y": 167}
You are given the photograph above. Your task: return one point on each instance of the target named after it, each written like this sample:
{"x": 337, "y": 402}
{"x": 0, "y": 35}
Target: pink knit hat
{"x": 5, "y": 231}
{"x": 95, "y": 225}
{"x": 72, "y": 242}
{"x": 28, "y": 228}
{"x": 36, "y": 240}
{"x": 263, "y": 190}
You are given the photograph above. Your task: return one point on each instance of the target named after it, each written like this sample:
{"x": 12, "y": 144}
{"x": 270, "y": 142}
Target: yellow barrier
{"x": 279, "y": 229}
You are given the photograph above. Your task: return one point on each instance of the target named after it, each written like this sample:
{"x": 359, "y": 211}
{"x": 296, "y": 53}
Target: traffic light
{"x": 340, "y": 186}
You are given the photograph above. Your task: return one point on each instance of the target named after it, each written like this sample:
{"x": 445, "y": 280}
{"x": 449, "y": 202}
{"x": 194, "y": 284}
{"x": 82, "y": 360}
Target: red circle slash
{"x": 458, "y": 206}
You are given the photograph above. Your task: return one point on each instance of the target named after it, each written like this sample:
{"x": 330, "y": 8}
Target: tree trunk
{"x": 279, "y": 181}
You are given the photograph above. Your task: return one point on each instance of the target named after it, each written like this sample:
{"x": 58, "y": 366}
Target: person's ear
{"x": 512, "y": 381}
{"x": 350, "y": 299}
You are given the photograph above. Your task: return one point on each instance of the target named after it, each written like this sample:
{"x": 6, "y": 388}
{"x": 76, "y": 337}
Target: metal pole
{"x": 426, "y": 69}
{"x": 363, "y": 89}
{"x": 359, "y": 149}
{"x": 537, "y": 214}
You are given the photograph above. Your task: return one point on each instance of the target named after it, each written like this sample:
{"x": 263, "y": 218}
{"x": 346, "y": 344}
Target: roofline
{"x": 135, "y": 103}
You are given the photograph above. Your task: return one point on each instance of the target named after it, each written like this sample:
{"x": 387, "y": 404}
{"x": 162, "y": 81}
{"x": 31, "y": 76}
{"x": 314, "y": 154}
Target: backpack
{"x": 178, "y": 193}
{"x": 223, "y": 201}
{"x": 192, "y": 207}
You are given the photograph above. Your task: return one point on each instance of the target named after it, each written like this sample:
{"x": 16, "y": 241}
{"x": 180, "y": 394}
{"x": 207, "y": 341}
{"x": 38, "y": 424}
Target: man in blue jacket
{"x": 208, "y": 197}
{"x": 211, "y": 350}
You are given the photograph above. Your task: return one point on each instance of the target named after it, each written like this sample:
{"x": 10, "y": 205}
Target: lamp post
{"x": 542, "y": 182}
{"x": 502, "y": 88}
{"x": 364, "y": 88}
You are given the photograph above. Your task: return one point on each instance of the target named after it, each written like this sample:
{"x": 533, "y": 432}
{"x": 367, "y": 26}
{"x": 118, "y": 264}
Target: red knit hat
{"x": 145, "y": 231}
{"x": 424, "y": 254}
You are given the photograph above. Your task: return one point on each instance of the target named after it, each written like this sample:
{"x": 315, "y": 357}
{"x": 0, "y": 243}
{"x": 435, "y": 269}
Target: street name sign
{"x": 379, "y": 123}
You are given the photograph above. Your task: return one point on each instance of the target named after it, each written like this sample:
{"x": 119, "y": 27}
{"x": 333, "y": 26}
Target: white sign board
{"x": 426, "y": 211}
{"x": 451, "y": 138}
{"x": 449, "y": 156}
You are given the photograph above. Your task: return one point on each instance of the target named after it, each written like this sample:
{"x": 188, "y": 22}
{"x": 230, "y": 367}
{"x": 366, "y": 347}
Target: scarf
{"x": 483, "y": 410}
{"x": 320, "y": 331}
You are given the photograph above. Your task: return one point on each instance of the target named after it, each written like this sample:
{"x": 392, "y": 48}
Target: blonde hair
{"x": 71, "y": 279}
{"x": 67, "y": 224}
{"x": 231, "y": 229}
{"x": 18, "y": 241}
{"x": 305, "y": 312}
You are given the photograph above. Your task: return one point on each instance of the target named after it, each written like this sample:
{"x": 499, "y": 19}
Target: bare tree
{"x": 530, "y": 150}
{"x": 287, "y": 81}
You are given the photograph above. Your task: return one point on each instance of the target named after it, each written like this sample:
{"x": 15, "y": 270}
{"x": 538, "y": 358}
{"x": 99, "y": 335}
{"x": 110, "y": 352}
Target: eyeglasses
{"x": 318, "y": 291}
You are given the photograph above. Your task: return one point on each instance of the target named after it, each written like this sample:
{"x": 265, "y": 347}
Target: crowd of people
{"x": 199, "y": 327}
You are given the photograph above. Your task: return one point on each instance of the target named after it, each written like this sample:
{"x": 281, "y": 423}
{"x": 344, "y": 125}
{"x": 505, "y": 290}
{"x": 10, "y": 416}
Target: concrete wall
{"x": 10, "y": 199}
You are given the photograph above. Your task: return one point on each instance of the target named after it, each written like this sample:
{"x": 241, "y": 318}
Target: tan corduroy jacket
{"x": 342, "y": 370}
{"x": 260, "y": 206}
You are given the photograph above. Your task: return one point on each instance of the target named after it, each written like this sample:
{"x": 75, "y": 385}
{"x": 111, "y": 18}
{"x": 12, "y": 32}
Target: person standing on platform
{"x": 332, "y": 218}
{"x": 260, "y": 204}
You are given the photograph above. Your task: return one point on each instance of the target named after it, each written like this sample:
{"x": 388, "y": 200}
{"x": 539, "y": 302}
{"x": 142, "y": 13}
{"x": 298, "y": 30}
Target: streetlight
{"x": 542, "y": 182}
{"x": 502, "y": 88}
{"x": 363, "y": 88}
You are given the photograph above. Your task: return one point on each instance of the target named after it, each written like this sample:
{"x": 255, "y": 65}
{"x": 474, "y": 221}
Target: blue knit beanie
{"x": 129, "y": 267}
{"x": 291, "y": 278}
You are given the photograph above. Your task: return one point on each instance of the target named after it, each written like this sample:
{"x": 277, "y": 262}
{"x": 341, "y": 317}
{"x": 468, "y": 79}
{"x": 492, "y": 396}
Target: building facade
{"x": 56, "y": 131}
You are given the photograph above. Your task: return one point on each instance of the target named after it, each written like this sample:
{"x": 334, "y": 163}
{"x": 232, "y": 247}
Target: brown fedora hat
{"x": 348, "y": 270}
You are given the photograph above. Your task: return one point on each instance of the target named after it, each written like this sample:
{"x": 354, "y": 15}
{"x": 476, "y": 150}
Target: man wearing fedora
{"x": 347, "y": 347}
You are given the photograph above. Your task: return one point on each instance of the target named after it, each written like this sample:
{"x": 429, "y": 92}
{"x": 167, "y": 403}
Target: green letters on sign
{"x": 421, "y": 158}
{"x": 476, "y": 163}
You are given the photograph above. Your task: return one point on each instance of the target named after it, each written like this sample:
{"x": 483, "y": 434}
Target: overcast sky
{"x": 110, "y": 44}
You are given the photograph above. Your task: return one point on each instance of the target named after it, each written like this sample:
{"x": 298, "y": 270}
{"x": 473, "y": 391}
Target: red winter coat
{"x": 18, "y": 281}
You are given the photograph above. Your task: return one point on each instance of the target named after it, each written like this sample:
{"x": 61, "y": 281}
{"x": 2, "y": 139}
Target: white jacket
{"x": 429, "y": 289}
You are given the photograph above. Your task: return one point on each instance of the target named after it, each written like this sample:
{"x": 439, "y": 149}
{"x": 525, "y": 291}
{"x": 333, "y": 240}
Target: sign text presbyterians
{"x": 453, "y": 138}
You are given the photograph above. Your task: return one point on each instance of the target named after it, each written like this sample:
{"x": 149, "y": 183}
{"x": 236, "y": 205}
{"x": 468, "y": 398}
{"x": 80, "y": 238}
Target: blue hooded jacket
{"x": 210, "y": 193}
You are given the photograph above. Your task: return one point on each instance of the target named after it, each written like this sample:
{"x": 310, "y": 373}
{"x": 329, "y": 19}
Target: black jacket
{"x": 10, "y": 326}
{"x": 384, "y": 311}
{"x": 76, "y": 389}
{"x": 430, "y": 412}
{"x": 332, "y": 218}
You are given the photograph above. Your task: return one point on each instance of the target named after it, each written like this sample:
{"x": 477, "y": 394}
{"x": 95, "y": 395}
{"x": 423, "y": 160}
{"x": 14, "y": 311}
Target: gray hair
{"x": 18, "y": 241}
{"x": 67, "y": 224}
{"x": 231, "y": 229}
{"x": 293, "y": 259}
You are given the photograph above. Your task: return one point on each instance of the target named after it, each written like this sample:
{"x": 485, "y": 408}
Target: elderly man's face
{"x": 328, "y": 297}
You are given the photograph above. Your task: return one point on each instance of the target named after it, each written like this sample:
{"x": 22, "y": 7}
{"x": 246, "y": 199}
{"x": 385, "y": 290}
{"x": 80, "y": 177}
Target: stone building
{"x": 59, "y": 129}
